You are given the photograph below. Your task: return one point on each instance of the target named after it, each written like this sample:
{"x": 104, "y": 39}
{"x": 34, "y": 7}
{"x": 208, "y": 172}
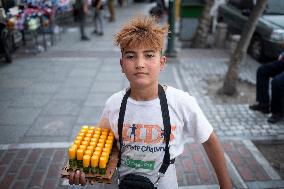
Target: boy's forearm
{"x": 104, "y": 123}
{"x": 216, "y": 156}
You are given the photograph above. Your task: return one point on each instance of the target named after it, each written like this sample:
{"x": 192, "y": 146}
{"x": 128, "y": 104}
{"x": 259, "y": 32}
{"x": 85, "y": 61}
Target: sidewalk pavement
{"x": 44, "y": 100}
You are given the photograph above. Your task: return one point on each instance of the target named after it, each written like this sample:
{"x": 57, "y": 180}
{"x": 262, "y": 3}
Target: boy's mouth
{"x": 141, "y": 73}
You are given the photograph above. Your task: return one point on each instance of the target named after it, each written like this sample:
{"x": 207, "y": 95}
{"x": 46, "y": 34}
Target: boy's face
{"x": 142, "y": 66}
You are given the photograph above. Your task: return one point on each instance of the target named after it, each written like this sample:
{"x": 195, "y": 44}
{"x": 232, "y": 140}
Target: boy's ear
{"x": 120, "y": 62}
{"x": 163, "y": 61}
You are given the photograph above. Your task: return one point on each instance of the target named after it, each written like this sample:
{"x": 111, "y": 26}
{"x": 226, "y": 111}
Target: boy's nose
{"x": 140, "y": 63}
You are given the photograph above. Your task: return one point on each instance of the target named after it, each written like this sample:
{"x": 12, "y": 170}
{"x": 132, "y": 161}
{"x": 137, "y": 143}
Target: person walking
{"x": 275, "y": 104}
{"x": 98, "y": 21}
{"x": 110, "y": 5}
{"x": 81, "y": 8}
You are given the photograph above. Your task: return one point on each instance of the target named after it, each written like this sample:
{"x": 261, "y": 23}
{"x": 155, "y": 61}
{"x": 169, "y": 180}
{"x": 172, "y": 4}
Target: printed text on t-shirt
{"x": 153, "y": 134}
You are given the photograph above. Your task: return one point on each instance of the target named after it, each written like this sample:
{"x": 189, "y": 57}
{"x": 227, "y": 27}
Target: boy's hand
{"x": 77, "y": 178}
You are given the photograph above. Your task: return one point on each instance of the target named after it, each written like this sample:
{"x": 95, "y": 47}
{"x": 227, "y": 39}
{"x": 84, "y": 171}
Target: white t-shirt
{"x": 143, "y": 142}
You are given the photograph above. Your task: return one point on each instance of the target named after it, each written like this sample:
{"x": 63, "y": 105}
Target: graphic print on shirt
{"x": 143, "y": 143}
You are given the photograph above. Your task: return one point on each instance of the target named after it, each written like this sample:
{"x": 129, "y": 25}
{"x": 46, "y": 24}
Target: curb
{"x": 261, "y": 160}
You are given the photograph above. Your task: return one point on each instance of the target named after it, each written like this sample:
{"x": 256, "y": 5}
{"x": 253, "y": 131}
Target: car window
{"x": 274, "y": 7}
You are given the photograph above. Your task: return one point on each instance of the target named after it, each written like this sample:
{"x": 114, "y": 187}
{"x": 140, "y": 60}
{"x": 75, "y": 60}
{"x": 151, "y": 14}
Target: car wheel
{"x": 256, "y": 48}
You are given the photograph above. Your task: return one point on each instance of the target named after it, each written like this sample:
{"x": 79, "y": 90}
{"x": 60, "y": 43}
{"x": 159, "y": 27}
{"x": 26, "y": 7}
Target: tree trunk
{"x": 199, "y": 39}
{"x": 230, "y": 82}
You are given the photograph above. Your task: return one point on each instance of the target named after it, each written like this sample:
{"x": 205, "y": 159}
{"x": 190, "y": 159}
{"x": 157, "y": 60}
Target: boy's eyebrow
{"x": 146, "y": 51}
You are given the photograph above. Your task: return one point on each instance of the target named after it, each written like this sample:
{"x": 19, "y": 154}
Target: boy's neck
{"x": 143, "y": 94}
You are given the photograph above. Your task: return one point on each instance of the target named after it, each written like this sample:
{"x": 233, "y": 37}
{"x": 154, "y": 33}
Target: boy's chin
{"x": 140, "y": 84}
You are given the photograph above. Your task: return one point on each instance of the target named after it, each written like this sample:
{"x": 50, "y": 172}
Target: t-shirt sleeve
{"x": 106, "y": 111}
{"x": 197, "y": 122}
{"x": 105, "y": 117}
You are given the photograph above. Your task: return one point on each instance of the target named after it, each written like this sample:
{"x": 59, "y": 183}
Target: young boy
{"x": 141, "y": 42}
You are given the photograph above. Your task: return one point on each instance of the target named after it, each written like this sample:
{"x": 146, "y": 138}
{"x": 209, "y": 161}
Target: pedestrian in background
{"x": 80, "y": 13}
{"x": 98, "y": 21}
{"x": 275, "y": 104}
{"x": 120, "y": 2}
{"x": 110, "y": 5}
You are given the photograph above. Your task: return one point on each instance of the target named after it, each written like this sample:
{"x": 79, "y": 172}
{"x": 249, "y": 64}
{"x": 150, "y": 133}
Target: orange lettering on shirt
{"x": 125, "y": 136}
{"x": 138, "y": 133}
{"x": 149, "y": 134}
{"x": 173, "y": 128}
{"x": 158, "y": 139}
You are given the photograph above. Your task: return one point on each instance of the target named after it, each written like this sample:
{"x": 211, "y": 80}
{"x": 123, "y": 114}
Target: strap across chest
{"x": 166, "y": 121}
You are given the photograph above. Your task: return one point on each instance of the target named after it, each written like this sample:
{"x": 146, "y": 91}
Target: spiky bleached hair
{"x": 141, "y": 31}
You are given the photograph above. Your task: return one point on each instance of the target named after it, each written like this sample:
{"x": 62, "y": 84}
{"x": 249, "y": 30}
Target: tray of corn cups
{"x": 95, "y": 153}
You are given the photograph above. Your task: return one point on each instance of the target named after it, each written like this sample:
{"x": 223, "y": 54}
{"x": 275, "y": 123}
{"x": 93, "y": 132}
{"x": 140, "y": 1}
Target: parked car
{"x": 269, "y": 32}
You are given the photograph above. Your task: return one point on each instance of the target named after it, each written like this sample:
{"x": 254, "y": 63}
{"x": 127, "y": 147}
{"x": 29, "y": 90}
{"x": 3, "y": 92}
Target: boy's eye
{"x": 150, "y": 55}
{"x": 129, "y": 56}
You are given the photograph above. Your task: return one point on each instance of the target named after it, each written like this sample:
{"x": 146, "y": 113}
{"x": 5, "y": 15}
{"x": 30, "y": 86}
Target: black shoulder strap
{"x": 120, "y": 122}
{"x": 166, "y": 122}
{"x": 167, "y": 128}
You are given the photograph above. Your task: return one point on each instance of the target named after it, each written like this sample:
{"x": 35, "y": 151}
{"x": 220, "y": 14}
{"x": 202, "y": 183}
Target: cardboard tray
{"x": 93, "y": 178}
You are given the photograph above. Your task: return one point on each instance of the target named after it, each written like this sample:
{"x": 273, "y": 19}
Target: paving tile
{"x": 107, "y": 77}
{"x": 22, "y": 153}
{"x": 62, "y": 108}
{"x": 42, "y": 88}
{"x": 79, "y": 81}
{"x": 15, "y": 165}
{"x": 83, "y": 72}
{"x": 50, "y": 184}
{"x": 59, "y": 156}
{"x": 72, "y": 93}
{"x": 16, "y": 83}
{"x": 34, "y": 156}
{"x": 54, "y": 171}
{"x": 7, "y": 157}
{"x": 7, "y": 181}
{"x": 107, "y": 87}
{"x": 20, "y": 184}
{"x": 51, "y": 126}
{"x": 89, "y": 115}
{"x": 42, "y": 139}
{"x": 3, "y": 169}
{"x": 43, "y": 163}
{"x": 97, "y": 99}
{"x": 25, "y": 172}
{"x": 4, "y": 104}
{"x": 12, "y": 134}
{"x": 48, "y": 153}
{"x": 31, "y": 100}
{"x": 37, "y": 179}
{"x": 19, "y": 116}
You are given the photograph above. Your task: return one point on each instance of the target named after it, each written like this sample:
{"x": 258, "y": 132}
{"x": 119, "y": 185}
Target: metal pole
{"x": 171, "y": 52}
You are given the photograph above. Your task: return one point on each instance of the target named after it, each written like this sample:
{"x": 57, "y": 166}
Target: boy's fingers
{"x": 71, "y": 178}
{"x": 83, "y": 179}
{"x": 77, "y": 177}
